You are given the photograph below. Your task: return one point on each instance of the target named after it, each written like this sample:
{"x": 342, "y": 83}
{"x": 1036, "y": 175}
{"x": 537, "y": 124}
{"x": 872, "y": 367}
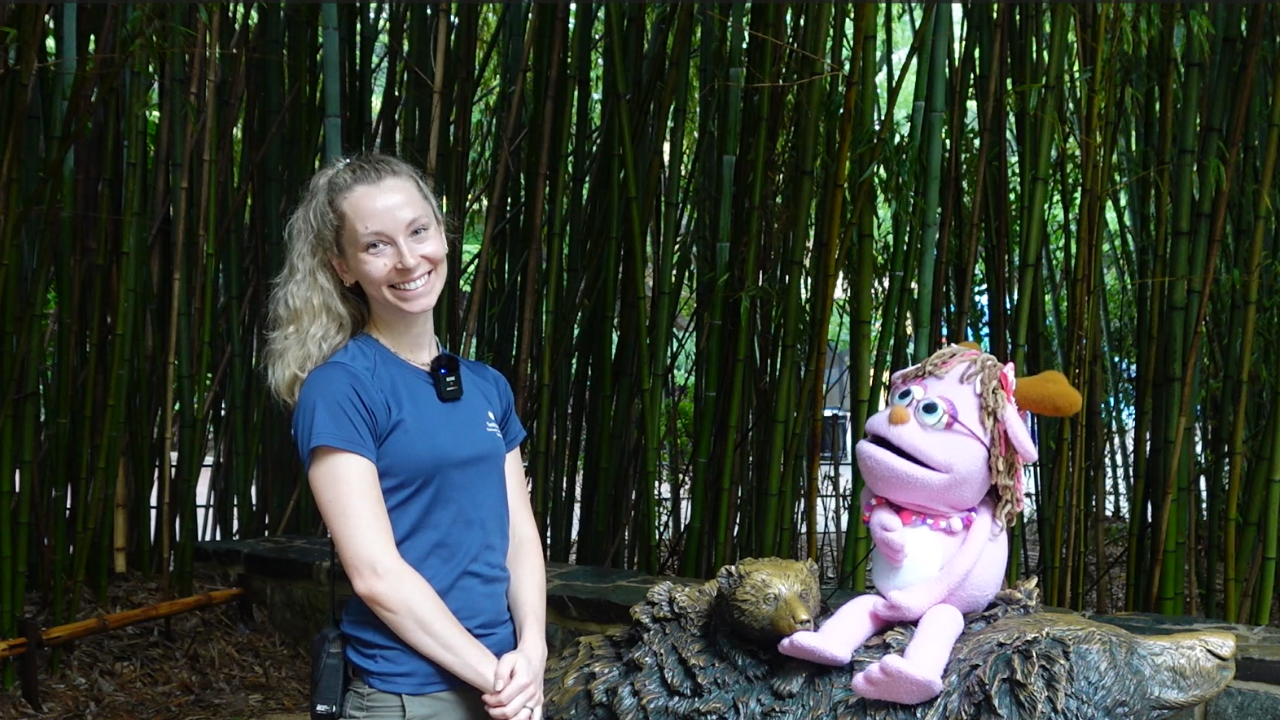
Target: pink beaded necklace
{"x": 910, "y": 518}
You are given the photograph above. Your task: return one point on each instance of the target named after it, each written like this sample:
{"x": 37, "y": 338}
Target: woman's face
{"x": 392, "y": 244}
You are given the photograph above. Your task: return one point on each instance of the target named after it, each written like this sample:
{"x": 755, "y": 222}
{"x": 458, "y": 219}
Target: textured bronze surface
{"x": 708, "y": 651}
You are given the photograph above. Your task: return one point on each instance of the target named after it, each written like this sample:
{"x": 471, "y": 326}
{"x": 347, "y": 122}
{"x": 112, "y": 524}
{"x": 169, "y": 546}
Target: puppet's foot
{"x": 896, "y": 679}
{"x": 835, "y": 642}
{"x": 817, "y": 647}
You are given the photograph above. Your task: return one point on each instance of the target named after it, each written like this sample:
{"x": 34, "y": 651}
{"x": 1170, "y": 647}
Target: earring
{"x": 348, "y": 283}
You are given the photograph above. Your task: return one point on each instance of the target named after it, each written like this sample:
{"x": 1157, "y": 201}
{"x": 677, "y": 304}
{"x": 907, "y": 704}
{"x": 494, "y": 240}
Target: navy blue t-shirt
{"x": 441, "y": 467}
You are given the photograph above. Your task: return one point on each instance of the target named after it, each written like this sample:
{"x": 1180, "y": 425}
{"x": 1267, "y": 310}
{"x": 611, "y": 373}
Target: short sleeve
{"x": 513, "y": 432}
{"x": 337, "y": 407}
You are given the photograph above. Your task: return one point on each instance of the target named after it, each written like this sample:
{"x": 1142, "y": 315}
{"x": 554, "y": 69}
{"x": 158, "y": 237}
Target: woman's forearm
{"x": 528, "y": 594}
{"x": 412, "y": 609}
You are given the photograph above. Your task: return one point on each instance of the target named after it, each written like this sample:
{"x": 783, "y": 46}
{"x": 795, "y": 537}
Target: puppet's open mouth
{"x": 884, "y": 444}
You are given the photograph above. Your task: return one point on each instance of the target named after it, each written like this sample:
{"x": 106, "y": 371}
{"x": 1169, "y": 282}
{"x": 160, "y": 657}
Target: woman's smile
{"x": 412, "y": 284}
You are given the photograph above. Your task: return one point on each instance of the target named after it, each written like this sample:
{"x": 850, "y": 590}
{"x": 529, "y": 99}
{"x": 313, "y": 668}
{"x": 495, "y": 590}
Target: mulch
{"x": 207, "y": 663}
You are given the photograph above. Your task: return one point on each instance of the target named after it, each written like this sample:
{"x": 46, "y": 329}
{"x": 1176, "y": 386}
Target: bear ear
{"x": 813, "y": 568}
{"x": 728, "y": 576}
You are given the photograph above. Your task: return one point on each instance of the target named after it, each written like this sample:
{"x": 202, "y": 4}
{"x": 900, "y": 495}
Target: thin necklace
{"x": 381, "y": 341}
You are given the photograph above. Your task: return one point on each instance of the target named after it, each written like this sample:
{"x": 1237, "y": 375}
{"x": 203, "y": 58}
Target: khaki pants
{"x": 365, "y": 703}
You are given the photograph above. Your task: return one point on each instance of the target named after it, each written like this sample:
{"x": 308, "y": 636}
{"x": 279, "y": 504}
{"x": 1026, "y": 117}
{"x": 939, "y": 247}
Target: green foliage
{"x": 684, "y": 220}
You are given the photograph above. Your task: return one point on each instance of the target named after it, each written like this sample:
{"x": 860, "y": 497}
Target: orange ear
{"x": 1047, "y": 393}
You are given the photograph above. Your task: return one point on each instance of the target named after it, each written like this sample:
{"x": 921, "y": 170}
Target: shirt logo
{"x": 492, "y": 425}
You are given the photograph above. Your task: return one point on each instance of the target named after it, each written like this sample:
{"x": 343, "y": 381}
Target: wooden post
{"x": 29, "y": 666}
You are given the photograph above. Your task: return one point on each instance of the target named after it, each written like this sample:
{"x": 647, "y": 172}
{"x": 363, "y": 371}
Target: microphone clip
{"x": 448, "y": 379}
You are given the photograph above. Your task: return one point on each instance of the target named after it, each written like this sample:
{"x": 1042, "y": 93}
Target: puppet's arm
{"x": 886, "y": 531}
{"x": 910, "y": 603}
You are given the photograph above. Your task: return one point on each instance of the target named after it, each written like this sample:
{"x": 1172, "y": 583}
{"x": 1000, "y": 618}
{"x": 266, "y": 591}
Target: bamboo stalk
{"x": 534, "y": 256}
{"x": 595, "y": 514}
{"x": 497, "y": 202}
{"x": 535, "y": 253}
{"x": 857, "y": 541}
{"x": 665, "y": 282}
{"x": 364, "y": 130}
{"x": 555, "y": 368}
{"x": 984, "y": 145}
{"x": 723, "y": 486}
{"x": 553, "y": 496}
{"x": 94, "y": 485}
{"x": 332, "y": 82}
{"x": 1038, "y": 177}
{"x": 393, "y": 87}
{"x": 721, "y": 177}
{"x": 176, "y": 296}
{"x": 9, "y": 602}
{"x": 1233, "y": 581}
{"x": 1263, "y": 600}
{"x": 815, "y": 30}
{"x": 18, "y": 369}
{"x": 834, "y": 243}
{"x": 1163, "y": 586}
{"x": 67, "y": 289}
{"x": 200, "y": 323}
{"x": 437, "y": 88}
{"x": 63, "y": 634}
{"x": 1151, "y": 296}
{"x": 923, "y": 330}
{"x": 644, "y": 363}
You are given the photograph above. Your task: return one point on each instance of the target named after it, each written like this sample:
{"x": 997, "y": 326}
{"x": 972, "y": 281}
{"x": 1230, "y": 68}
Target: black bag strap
{"x": 333, "y": 583}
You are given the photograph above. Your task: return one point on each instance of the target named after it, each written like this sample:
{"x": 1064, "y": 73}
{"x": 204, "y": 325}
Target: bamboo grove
{"x": 672, "y": 218}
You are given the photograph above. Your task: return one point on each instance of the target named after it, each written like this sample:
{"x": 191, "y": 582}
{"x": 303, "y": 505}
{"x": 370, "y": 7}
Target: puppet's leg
{"x": 843, "y": 633}
{"x": 916, "y": 676}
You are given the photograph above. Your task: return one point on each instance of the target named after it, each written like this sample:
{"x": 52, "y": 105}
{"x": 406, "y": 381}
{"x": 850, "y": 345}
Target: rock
{"x": 709, "y": 651}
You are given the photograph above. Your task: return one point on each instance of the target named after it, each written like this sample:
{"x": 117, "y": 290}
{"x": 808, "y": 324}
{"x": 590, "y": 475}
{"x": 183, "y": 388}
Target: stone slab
{"x": 282, "y": 557}
{"x": 1240, "y": 701}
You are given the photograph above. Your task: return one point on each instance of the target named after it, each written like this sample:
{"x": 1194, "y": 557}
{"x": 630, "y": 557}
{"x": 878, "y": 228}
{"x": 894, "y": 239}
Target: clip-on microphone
{"x": 448, "y": 381}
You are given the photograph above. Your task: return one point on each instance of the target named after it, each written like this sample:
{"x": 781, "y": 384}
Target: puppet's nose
{"x": 898, "y": 415}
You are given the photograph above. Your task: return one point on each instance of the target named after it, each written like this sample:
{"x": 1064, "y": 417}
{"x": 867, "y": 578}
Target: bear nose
{"x": 898, "y": 415}
{"x": 802, "y": 619}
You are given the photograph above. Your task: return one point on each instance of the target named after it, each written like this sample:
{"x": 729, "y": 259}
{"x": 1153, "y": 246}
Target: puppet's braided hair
{"x": 1004, "y": 464}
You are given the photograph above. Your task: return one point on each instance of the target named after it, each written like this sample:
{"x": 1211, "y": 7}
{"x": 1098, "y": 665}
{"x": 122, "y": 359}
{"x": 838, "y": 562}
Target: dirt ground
{"x": 206, "y": 663}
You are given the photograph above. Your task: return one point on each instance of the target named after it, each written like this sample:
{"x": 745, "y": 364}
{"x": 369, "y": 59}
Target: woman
{"x": 424, "y": 494}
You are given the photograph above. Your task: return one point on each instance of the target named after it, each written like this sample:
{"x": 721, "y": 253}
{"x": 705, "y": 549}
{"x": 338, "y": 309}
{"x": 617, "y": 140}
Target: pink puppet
{"x": 943, "y": 471}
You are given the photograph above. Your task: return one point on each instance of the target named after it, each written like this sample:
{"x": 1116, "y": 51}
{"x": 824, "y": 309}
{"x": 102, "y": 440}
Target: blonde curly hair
{"x": 310, "y": 313}
{"x": 1004, "y": 463}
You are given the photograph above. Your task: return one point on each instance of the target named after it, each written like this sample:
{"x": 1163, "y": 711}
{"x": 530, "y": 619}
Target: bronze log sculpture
{"x": 708, "y": 651}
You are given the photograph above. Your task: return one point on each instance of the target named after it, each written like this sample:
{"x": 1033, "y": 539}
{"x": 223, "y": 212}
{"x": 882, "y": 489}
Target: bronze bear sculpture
{"x": 709, "y": 651}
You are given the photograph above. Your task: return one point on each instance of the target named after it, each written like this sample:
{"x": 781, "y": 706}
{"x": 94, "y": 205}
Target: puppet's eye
{"x": 933, "y": 413}
{"x": 906, "y": 393}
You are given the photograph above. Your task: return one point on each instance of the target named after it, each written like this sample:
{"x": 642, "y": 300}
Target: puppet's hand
{"x": 887, "y": 533}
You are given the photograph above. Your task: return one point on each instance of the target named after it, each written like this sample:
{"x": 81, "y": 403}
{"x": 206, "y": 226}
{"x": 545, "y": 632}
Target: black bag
{"x": 328, "y": 674}
{"x": 328, "y": 661}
